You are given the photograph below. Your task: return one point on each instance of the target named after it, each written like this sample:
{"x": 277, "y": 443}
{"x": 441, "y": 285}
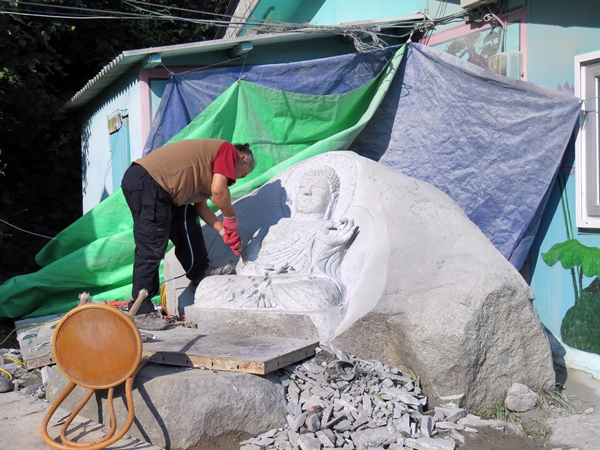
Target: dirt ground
{"x": 490, "y": 439}
{"x": 555, "y": 429}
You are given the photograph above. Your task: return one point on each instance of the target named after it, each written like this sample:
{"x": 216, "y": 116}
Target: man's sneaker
{"x": 227, "y": 269}
{"x": 152, "y": 321}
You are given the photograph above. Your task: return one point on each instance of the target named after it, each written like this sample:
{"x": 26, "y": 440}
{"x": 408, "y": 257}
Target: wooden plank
{"x": 35, "y": 340}
{"x": 226, "y": 351}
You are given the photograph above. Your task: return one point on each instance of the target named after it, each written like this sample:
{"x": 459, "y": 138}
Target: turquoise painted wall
{"x": 557, "y": 31}
{"x": 337, "y": 11}
{"x": 334, "y": 12}
{"x": 97, "y": 179}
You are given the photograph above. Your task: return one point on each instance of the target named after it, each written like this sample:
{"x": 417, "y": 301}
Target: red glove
{"x": 234, "y": 241}
{"x": 230, "y": 224}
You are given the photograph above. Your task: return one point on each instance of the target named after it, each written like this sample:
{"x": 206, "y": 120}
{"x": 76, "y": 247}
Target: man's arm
{"x": 207, "y": 215}
{"x": 221, "y": 196}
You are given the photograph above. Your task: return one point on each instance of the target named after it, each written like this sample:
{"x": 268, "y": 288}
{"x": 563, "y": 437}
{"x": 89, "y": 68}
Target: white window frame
{"x": 587, "y": 148}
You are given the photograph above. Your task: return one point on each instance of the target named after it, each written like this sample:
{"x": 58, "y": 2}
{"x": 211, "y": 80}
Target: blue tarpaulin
{"x": 188, "y": 94}
{"x": 492, "y": 143}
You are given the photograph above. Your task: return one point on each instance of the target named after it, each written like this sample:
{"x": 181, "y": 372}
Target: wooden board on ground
{"x": 226, "y": 351}
{"x": 35, "y": 340}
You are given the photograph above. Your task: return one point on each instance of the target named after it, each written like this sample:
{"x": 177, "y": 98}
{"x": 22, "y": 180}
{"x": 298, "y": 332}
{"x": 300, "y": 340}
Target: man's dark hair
{"x": 245, "y": 150}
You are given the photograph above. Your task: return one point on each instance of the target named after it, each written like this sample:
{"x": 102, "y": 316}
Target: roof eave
{"x": 129, "y": 58}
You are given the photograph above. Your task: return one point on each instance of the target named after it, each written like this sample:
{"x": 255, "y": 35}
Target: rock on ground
{"x": 520, "y": 398}
{"x": 184, "y": 408}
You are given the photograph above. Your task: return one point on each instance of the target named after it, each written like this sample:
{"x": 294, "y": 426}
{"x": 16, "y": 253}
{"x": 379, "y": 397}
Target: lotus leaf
{"x": 572, "y": 253}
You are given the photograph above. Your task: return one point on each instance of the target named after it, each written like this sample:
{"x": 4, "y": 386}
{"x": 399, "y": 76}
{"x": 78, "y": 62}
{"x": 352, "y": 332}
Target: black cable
{"x": 52, "y": 6}
{"x": 25, "y": 231}
{"x": 187, "y": 235}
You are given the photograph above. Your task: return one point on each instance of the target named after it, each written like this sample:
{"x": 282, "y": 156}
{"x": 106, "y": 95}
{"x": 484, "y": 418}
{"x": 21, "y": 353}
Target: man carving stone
{"x": 158, "y": 189}
{"x": 296, "y": 266}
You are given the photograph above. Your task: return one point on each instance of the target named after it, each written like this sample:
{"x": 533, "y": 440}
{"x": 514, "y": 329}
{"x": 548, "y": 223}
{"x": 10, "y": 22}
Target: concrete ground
{"x": 580, "y": 430}
{"x": 21, "y": 417}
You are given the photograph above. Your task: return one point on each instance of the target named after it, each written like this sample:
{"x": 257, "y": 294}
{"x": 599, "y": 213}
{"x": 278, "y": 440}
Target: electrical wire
{"x": 199, "y": 69}
{"x": 121, "y": 14}
{"x": 27, "y": 325}
{"x": 357, "y": 33}
{"x": 16, "y": 361}
{"x": 227, "y": 18}
{"x": 72, "y": 8}
{"x": 10, "y": 377}
{"x": 365, "y": 38}
{"x": 25, "y": 231}
{"x": 54, "y": 16}
{"x": 362, "y": 46}
{"x": 187, "y": 235}
{"x": 180, "y": 9}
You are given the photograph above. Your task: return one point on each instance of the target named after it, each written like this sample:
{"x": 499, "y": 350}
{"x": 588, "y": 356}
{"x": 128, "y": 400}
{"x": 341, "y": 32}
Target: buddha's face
{"x": 314, "y": 195}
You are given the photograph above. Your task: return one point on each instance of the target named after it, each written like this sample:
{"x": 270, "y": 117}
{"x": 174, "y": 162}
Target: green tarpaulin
{"x": 95, "y": 254}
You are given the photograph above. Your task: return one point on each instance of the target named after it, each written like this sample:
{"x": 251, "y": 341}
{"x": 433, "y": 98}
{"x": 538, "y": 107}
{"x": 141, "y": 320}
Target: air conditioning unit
{"x": 507, "y": 63}
{"x": 470, "y": 4}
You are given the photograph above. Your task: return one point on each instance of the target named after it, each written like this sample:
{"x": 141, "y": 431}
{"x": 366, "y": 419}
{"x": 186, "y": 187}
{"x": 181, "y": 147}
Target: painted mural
{"x": 580, "y": 326}
{"x": 475, "y": 47}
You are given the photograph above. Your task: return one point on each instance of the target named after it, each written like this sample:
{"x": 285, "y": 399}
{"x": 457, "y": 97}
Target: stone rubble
{"x": 336, "y": 401}
{"x": 28, "y": 382}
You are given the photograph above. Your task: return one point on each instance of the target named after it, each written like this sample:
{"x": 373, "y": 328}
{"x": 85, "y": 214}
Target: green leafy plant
{"x": 580, "y": 327}
{"x": 572, "y": 254}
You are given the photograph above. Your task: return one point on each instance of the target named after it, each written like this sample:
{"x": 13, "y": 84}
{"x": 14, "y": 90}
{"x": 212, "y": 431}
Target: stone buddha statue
{"x": 294, "y": 265}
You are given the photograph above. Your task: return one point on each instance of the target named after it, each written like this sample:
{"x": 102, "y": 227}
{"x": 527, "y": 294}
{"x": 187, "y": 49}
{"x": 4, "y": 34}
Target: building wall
{"x": 549, "y": 34}
{"x": 334, "y": 12}
{"x": 97, "y": 177}
{"x": 557, "y": 32}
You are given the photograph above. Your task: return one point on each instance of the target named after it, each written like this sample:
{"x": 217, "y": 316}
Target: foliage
{"x": 580, "y": 327}
{"x": 553, "y": 398}
{"x": 495, "y": 410}
{"x": 572, "y": 253}
{"x": 43, "y": 62}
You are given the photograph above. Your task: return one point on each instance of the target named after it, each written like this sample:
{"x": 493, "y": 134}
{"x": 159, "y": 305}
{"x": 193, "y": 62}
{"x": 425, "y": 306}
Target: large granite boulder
{"x": 385, "y": 267}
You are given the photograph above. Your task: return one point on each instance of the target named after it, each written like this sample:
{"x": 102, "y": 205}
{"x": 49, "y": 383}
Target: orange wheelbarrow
{"x": 98, "y": 347}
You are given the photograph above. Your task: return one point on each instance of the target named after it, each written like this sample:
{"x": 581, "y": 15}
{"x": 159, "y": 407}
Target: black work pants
{"x": 155, "y": 221}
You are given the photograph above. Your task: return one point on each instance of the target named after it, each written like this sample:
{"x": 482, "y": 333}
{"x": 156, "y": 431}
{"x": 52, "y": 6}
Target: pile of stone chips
{"x": 337, "y": 401}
